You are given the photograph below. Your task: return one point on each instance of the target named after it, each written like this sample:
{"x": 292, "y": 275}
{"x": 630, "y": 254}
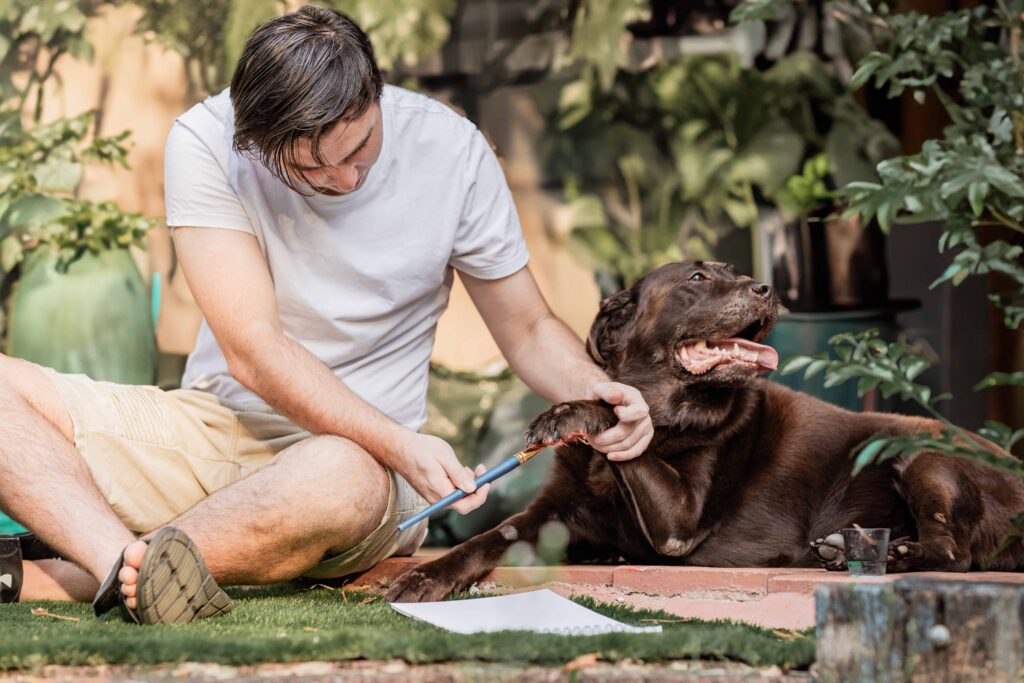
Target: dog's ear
{"x": 612, "y": 319}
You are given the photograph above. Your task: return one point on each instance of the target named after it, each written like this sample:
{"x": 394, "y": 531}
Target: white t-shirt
{"x": 360, "y": 279}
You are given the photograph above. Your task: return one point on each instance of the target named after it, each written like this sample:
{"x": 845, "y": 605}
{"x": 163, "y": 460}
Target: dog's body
{"x": 741, "y": 471}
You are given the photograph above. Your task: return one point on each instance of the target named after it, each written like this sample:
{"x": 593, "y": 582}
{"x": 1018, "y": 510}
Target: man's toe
{"x": 134, "y": 554}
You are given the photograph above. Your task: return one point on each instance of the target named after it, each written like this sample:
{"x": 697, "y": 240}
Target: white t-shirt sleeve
{"x": 196, "y": 189}
{"x": 489, "y": 243}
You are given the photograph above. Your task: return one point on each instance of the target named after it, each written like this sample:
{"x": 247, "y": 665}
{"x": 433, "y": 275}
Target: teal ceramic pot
{"x": 94, "y": 319}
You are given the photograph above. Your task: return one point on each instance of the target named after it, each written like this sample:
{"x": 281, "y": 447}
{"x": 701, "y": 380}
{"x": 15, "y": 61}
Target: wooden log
{"x": 920, "y": 630}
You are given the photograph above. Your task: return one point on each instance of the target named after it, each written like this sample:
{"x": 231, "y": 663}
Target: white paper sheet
{"x": 541, "y": 611}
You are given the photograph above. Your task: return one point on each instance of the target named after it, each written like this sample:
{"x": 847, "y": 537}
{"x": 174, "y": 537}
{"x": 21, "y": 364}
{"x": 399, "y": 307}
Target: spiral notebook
{"x": 540, "y": 611}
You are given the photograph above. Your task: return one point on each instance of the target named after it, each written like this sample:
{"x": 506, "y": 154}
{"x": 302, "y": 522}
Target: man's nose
{"x": 345, "y": 179}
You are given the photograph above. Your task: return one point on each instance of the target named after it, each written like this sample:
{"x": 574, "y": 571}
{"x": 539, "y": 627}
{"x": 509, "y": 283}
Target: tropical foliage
{"x": 661, "y": 159}
{"x": 210, "y": 35}
{"x": 40, "y": 169}
{"x": 971, "y": 180}
{"x": 41, "y": 165}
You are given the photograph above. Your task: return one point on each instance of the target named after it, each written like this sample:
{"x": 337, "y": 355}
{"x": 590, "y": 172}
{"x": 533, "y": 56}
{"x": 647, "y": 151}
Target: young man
{"x": 318, "y": 217}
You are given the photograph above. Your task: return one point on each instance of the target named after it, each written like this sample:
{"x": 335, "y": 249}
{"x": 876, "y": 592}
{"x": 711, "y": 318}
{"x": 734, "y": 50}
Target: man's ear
{"x": 610, "y": 325}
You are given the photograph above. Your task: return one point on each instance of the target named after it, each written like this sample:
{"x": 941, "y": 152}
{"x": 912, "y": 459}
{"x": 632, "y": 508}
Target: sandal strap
{"x": 110, "y": 596}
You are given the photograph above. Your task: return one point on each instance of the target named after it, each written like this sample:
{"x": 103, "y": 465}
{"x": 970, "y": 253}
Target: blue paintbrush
{"x": 503, "y": 468}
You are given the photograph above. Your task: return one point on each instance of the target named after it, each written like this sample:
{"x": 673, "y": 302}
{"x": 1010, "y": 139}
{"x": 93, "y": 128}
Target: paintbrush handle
{"x": 503, "y": 468}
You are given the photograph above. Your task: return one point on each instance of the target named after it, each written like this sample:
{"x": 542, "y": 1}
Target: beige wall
{"x": 139, "y": 85}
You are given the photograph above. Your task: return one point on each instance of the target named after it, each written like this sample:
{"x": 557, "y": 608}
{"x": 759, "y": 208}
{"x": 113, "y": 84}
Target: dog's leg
{"x": 470, "y": 561}
{"x": 946, "y": 506}
{"x": 666, "y": 504}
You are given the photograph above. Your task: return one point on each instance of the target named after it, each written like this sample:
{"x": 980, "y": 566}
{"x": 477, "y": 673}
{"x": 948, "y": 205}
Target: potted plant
{"x": 669, "y": 160}
{"x": 76, "y": 300}
{"x": 971, "y": 180}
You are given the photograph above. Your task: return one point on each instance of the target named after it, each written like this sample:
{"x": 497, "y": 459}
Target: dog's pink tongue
{"x": 767, "y": 357}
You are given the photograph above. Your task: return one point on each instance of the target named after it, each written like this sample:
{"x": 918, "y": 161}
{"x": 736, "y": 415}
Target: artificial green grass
{"x": 287, "y": 624}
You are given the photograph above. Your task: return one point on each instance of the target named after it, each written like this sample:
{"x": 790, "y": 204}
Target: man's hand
{"x": 430, "y": 466}
{"x": 630, "y": 437}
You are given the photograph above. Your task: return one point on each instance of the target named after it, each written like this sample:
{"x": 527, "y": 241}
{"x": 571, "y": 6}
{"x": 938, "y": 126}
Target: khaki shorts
{"x": 154, "y": 454}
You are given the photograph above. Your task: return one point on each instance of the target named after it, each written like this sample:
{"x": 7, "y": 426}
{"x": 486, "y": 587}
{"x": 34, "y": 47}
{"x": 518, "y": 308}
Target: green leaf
{"x": 914, "y": 366}
{"x": 976, "y": 194}
{"x": 867, "y": 454}
{"x": 867, "y": 68}
{"x": 866, "y": 384}
{"x": 1000, "y": 379}
{"x": 1004, "y": 180}
{"x": 58, "y": 175}
{"x": 815, "y": 367}
{"x": 770, "y": 157}
{"x": 794, "y": 364}
{"x": 34, "y": 210}
{"x": 11, "y": 251}
{"x": 574, "y": 103}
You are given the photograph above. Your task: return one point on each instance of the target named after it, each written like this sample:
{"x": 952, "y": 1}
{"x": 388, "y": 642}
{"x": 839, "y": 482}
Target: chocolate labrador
{"x": 741, "y": 472}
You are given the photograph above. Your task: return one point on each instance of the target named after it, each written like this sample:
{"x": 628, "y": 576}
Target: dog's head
{"x": 686, "y": 327}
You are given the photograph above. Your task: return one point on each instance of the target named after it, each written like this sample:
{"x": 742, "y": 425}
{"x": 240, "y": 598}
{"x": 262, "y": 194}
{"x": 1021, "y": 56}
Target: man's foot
{"x": 164, "y": 581}
{"x": 129, "y": 574}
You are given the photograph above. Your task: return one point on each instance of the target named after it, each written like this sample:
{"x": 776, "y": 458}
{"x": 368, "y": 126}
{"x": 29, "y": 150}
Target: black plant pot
{"x": 821, "y": 264}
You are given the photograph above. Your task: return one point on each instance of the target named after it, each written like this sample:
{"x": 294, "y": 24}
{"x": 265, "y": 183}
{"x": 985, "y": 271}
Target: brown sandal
{"x": 174, "y": 585}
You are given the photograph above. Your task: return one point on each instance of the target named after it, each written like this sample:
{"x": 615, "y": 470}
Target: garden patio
{"x": 864, "y": 159}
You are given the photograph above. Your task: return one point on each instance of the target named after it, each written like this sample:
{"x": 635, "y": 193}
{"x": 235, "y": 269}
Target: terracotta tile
{"x": 804, "y": 583}
{"x": 569, "y": 574}
{"x": 692, "y": 581}
{"x": 782, "y": 610}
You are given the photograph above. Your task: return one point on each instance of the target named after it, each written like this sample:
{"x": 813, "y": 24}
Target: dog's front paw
{"x": 422, "y": 584}
{"x": 902, "y": 555}
{"x": 571, "y": 421}
{"x": 831, "y": 552}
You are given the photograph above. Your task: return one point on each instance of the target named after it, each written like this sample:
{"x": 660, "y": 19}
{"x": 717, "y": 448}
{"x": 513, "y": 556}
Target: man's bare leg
{"x": 325, "y": 494}
{"x": 57, "y": 580}
{"x": 46, "y": 484}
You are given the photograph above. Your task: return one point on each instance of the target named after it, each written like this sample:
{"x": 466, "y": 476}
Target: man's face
{"x": 350, "y": 149}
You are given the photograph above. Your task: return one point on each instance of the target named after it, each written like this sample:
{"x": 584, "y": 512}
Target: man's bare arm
{"x": 552, "y": 360}
{"x": 228, "y": 276}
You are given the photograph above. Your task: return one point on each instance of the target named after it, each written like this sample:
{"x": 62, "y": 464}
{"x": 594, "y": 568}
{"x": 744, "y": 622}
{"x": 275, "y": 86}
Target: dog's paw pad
{"x": 831, "y": 552}
{"x": 900, "y": 549}
{"x": 569, "y": 422}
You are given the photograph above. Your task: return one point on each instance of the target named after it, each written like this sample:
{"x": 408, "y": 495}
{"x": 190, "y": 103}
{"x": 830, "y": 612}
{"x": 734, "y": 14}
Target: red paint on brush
{"x": 574, "y": 436}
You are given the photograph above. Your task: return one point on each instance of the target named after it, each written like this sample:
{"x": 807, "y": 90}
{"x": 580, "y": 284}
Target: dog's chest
{"x": 606, "y": 518}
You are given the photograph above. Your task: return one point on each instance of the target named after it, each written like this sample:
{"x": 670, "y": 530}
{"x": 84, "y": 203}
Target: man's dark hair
{"x": 298, "y": 76}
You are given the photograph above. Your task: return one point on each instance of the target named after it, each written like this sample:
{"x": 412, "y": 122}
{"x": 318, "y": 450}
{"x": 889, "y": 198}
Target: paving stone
{"x": 774, "y": 598}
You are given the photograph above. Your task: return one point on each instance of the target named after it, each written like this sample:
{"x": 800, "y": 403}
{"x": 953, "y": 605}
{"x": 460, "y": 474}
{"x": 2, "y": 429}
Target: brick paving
{"x": 774, "y": 598}
{"x": 401, "y": 672}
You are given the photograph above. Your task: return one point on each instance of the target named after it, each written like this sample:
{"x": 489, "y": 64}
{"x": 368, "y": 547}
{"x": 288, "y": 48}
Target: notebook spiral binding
{"x": 600, "y": 630}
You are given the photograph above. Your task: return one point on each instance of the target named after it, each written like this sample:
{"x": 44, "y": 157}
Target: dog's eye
{"x": 698, "y": 277}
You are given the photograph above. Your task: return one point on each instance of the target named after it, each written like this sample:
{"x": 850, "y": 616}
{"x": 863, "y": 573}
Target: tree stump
{"x": 918, "y": 629}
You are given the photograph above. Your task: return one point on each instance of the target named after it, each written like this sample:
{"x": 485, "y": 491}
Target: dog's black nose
{"x": 761, "y": 289}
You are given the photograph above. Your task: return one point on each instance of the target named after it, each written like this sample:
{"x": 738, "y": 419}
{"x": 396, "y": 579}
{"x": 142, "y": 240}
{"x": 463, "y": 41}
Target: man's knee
{"x": 351, "y": 486}
{"x": 25, "y": 382}
{"x": 335, "y": 457}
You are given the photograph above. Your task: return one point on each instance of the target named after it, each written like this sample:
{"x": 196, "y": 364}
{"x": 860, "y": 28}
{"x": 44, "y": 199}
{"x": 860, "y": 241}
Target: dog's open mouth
{"x": 701, "y": 356}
